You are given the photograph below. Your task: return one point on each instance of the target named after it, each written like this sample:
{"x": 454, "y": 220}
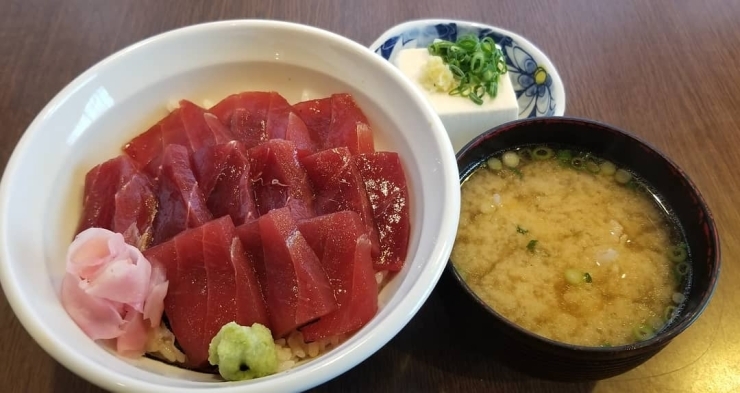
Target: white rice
{"x": 161, "y": 344}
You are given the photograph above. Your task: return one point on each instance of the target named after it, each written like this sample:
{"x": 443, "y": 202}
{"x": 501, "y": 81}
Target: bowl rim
{"x": 665, "y": 336}
{"x": 351, "y": 356}
{"x": 559, "y": 96}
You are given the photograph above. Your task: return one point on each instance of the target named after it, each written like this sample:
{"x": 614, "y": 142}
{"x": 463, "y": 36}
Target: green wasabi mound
{"x": 243, "y": 352}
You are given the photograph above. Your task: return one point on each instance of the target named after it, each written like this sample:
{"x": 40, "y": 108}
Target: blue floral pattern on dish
{"x": 531, "y": 81}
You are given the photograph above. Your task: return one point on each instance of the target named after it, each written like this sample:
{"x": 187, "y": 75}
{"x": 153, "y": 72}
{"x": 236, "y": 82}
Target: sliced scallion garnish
{"x": 476, "y": 63}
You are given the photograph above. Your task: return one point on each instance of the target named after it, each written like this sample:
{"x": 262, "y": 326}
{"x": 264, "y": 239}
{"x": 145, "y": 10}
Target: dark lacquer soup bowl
{"x": 547, "y": 358}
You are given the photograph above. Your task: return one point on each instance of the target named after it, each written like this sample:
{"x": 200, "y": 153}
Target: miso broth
{"x": 570, "y": 247}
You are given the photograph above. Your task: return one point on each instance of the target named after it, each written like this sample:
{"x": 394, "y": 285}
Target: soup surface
{"x": 576, "y": 251}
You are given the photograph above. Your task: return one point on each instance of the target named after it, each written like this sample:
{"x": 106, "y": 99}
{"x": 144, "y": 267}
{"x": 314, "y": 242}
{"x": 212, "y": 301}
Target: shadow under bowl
{"x": 545, "y": 358}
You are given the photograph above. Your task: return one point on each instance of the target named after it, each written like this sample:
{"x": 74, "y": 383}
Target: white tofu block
{"x": 463, "y": 119}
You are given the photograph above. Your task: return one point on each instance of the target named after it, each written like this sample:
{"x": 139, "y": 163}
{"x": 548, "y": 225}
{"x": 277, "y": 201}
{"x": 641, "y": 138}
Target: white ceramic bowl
{"x": 90, "y": 119}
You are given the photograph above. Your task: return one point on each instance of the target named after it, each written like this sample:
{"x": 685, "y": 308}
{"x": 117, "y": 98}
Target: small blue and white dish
{"x": 537, "y": 84}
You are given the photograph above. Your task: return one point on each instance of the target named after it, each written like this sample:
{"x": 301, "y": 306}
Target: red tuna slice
{"x": 316, "y": 115}
{"x": 344, "y": 250}
{"x": 255, "y": 117}
{"x": 136, "y": 207}
{"x": 279, "y": 180}
{"x": 222, "y": 172}
{"x": 283, "y": 123}
{"x": 186, "y": 303}
{"x": 189, "y": 125}
{"x": 101, "y": 184}
{"x": 277, "y": 116}
{"x": 297, "y": 290}
{"x": 349, "y": 126}
{"x": 146, "y": 148}
{"x": 337, "y": 122}
{"x": 299, "y": 134}
{"x": 216, "y": 242}
{"x": 202, "y": 128}
{"x": 119, "y": 197}
{"x": 181, "y": 202}
{"x": 234, "y": 293}
{"x": 246, "y": 115}
{"x": 338, "y": 186}
{"x": 249, "y": 234}
{"x": 211, "y": 283}
{"x": 385, "y": 183}
{"x": 250, "y": 301}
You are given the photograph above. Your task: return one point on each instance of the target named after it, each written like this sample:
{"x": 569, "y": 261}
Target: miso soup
{"x": 571, "y": 247}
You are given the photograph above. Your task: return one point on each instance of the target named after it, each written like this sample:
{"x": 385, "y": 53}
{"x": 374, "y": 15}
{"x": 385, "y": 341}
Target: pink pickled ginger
{"x": 112, "y": 291}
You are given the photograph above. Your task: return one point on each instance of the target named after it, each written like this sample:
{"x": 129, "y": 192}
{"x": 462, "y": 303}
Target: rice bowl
{"x": 107, "y": 105}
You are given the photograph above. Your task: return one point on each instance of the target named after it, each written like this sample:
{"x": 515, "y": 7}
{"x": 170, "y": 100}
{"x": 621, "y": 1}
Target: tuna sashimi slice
{"x": 189, "y": 125}
{"x": 101, "y": 184}
{"x": 146, "y": 148}
{"x": 181, "y": 202}
{"x": 250, "y": 301}
{"x": 202, "y": 128}
{"x": 174, "y": 132}
{"x": 254, "y": 117}
{"x": 385, "y": 183}
{"x": 338, "y": 186}
{"x": 221, "y": 241}
{"x": 212, "y": 282}
{"x": 223, "y": 174}
{"x": 192, "y": 297}
{"x": 297, "y": 290}
{"x": 234, "y": 293}
{"x": 297, "y": 132}
{"x": 316, "y": 115}
{"x": 135, "y": 209}
{"x": 249, "y": 234}
{"x": 279, "y": 179}
{"x": 186, "y": 303}
{"x": 221, "y": 283}
{"x": 344, "y": 250}
{"x": 120, "y": 198}
{"x": 246, "y": 115}
{"x": 349, "y": 126}
{"x": 337, "y": 121}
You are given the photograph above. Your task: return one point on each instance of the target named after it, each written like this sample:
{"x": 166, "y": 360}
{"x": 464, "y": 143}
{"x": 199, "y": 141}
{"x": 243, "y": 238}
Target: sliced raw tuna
{"x": 186, "y": 303}
{"x": 222, "y": 171}
{"x": 385, "y": 183}
{"x": 135, "y": 209}
{"x": 316, "y": 114}
{"x": 212, "y": 282}
{"x": 250, "y": 301}
{"x": 189, "y": 125}
{"x": 234, "y": 294}
{"x": 296, "y": 288}
{"x": 337, "y": 121}
{"x": 255, "y": 117}
{"x": 215, "y": 254}
{"x": 246, "y": 115}
{"x": 120, "y": 198}
{"x": 338, "y": 186}
{"x": 202, "y": 128}
{"x": 279, "y": 179}
{"x": 341, "y": 244}
{"x": 146, "y": 148}
{"x": 249, "y": 234}
{"x": 181, "y": 202}
{"x": 297, "y": 132}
